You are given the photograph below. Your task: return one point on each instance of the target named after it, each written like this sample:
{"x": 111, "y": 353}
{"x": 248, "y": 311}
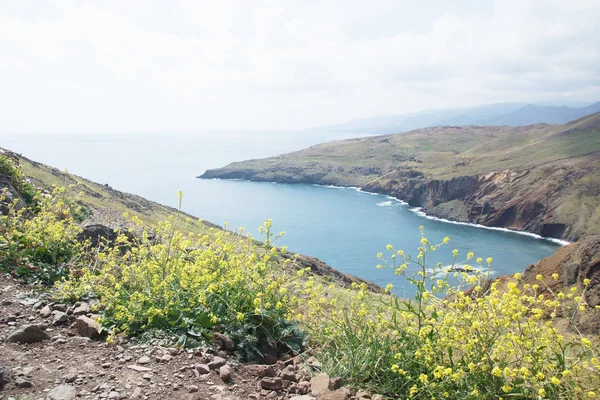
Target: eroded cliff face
{"x": 555, "y": 200}
{"x": 528, "y": 200}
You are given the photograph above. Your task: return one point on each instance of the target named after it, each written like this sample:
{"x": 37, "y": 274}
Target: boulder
{"x": 319, "y": 384}
{"x": 62, "y": 392}
{"x": 223, "y": 342}
{"x": 87, "y": 327}
{"x": 272, "y": 383}
{"x": 28, "y": 334}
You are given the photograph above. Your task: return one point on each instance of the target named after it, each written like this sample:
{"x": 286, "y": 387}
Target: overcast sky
{"x": 184, "y": 65}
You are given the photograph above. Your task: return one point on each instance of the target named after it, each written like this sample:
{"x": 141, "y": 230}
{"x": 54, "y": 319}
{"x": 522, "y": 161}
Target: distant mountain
{"x": 511, "y": 114}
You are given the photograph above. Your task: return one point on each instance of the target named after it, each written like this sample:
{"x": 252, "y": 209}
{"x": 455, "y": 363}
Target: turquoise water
{"x": 345, "y": 228}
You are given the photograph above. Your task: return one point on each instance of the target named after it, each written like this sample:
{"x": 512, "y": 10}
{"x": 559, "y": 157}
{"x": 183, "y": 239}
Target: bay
{"x": 344, "y": 227}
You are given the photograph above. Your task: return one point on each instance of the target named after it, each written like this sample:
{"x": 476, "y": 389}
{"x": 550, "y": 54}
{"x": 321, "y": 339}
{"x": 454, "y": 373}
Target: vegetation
{"x": 457, "y": 338}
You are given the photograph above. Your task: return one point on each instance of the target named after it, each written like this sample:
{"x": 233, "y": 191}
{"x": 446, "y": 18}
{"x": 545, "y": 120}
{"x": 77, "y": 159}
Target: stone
{"x": 82, "y": 309}
{"x": 271, "y": 383}
{"x": 62, "y": 392}
{"x": 303, "y": 397}
{"x": 361, "y": 394}
{"x": 87, "y": 327}
{"x": 45, "y": 312}
{"x": 59, "y": 317}
{"x": 217, "y": 362}
{"x": 166, "y": 358}
{"x": 289, "y": 373}
{"x": 225, "y": 373}
{"x": 143, "y": 360}
{"x": 319, "y": 384}
{"x": 340, "y": 394}
{"x": 224, "y": 342}
{"x": 139, "y": 368}
{"x": 377, "y": 397}
{"x": 192, "y": 388}
{"x": 137, "y": 393}
{"x": 313, "y": 363}
{"x": 260, "y": 370}
{"x": 202, "y": 369}
{"x": 114, "y": 395}
{"x": 5, "y": 374}
{"x": 336, "y": 383}
{"x": 23, "y": 383}
{"x": 28, "y": 334}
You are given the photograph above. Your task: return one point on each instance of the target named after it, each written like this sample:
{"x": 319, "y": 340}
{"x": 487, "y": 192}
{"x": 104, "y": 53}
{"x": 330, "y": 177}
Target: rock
{"x": 202, "y": 369}
{"x": 137, "y": 393}
{"x": 314, "y": 363}
{"x": 87, "y": 327}
{"x": 303, "y": 397}
{"x": 59, "y": 317}
{"x": 113, "y": 395}
{"x": 23, "y": 383}
{"x": 224, "y": 342}
{"x": 289, "y": 373}
{"x": 139, "y": 368}
{"x": 166, "y": 358}
{"x": 143, "y": 360}
{"x": 336, "y": 383}
{"x": 225, "y": 373}
{"x": 28, "y": 334}
{"x": 271, "y": 383}
{"x": 340, "y": 394}
{"x": 62, "y": 392}
{"x": 97, "y": 233}
{"x": 377, "y": 397}
{"x": 303, "y": 387}
{"x": 217, "y": 362}
{"x": 5, "y": 374}
{"x": 260, "y": 370}
{"x": 83, "y": 309}
{"x": 319, "y": 384}
{"x": 45, "y": 312}
{"x": 192, "y": 388}
{"x": 361, "y": 394}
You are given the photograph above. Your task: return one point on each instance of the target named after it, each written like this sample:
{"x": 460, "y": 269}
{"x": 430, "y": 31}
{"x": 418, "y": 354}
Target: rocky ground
{"x": 46, "y": 352}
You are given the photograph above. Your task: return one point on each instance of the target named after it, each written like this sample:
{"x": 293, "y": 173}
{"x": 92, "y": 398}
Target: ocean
{"x": 343, "y": 227}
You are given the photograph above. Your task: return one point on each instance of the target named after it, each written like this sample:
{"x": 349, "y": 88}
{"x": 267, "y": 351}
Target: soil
{"x": 95, "y": 369}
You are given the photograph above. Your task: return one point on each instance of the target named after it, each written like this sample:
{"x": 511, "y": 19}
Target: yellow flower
{"x": 555, "y": 276}
{"x": 539, "y": 277}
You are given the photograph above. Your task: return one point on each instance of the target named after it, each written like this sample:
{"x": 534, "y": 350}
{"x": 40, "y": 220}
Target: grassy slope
{"x": 551, "y": 154}
{"x": 97, "y": 196}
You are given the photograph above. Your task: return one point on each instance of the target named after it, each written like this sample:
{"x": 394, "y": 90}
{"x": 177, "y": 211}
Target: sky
{"x": 184, "y": 65}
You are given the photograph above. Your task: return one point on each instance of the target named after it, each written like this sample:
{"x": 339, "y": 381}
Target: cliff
{"x": 543, "y": 179}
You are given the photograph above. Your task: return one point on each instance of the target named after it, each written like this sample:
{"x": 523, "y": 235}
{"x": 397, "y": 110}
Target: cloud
{"x": 185, "y": 65}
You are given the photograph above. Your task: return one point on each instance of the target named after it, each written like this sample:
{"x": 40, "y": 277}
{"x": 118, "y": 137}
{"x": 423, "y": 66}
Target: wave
{"x": 419, "y": 211}
{"x": 440, "y": 272}
{"x": 384, "y": 203}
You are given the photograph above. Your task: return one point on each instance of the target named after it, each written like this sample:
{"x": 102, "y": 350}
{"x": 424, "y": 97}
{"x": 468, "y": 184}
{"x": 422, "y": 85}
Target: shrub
{"x": 450, "y": 343}
{"x": 194, "y": 285}
{"x": 15, "y": 176}
{"x": 39, "y": 242}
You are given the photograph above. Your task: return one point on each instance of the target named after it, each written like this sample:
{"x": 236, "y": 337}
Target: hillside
{"x": 156, "y": 311}
{"x": 106, "y": 204}
{"x": 539, "y": 178}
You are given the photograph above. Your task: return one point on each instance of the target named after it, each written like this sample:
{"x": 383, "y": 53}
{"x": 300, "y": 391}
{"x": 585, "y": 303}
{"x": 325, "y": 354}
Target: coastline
{"x": 421, "y": 211}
